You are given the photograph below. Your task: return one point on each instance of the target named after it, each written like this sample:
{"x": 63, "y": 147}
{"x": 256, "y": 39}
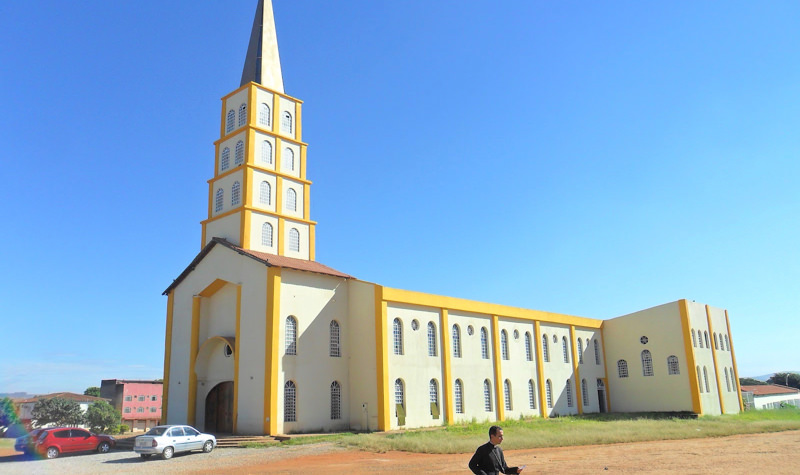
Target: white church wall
{"x": 557, "y": 370}
{"x": 591, "y": 368}
{"x": 471, "y": 368}
{"x": 414, "y": 367}
{"x": 227, "y": 227}
{"x": 258, "y": 177}
{"x": 314, "y": 300}
{"x": 725, "y": 376}
{"x": 265, "y": 97}
{"x": 230, "y": 144}
{"x": 257, "y": 221}
{"x": 287, "y": 105}
{"x": 297, "y": 212}
{"x": 218, "y": 314}
{"x": 303, "y": 229}
{"x": 289, "y": 166}
{"x": 178, "y": 388}
{"x": 661, "y": 392}
{"x": 264, "y": 158}
{"x": 517, "y": 369}
{"x": 362, "y": 364}
{"x": 233, "y": 102}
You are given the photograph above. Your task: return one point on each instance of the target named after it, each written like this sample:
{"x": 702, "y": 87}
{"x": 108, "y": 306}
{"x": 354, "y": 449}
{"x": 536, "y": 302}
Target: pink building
{"x": 138, "y": 401}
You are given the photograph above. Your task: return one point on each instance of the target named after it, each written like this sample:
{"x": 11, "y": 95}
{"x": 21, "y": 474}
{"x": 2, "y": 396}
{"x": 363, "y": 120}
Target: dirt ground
{"x": 756, "y": 453}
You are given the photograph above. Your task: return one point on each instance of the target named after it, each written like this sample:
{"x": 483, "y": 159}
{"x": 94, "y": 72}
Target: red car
{"x": 57, "y": 440}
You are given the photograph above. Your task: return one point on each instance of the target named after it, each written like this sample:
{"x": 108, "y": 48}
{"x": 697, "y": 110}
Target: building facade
{"x": 262, "y": 339}
{"x": 138, "y": 401}
{"x": 25, "y": 406}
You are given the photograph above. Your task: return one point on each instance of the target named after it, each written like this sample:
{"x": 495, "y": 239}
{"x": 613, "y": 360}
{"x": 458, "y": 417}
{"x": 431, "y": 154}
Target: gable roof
{"x": 769, "y": 389}
{"x": 270, "y": 260}
{"x": 64, "y": 395}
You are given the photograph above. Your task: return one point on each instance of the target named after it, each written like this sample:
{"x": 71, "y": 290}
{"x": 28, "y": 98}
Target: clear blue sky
{"x": 588, "y": 158}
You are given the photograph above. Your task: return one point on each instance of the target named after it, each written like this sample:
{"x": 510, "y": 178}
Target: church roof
{"x": 262, "y": 65}
{"x": 270, "y": 260}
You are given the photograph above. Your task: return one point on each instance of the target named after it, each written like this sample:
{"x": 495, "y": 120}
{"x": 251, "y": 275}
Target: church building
{"x": 263, "y": 339}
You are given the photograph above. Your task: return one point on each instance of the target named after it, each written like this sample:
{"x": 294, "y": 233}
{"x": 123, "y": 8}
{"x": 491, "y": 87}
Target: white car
{"x": 167, "y": 440}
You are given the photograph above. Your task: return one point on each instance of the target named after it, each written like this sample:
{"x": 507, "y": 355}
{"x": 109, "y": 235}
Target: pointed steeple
{"x": 263, "y": 64}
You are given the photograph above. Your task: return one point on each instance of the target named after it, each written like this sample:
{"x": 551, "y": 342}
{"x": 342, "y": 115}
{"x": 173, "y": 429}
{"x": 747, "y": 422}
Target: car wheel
{"x": 145, "y": 456}
{"x": 208, "y": 446}
{"x": 51, "y": 453}
{"x": 167, "y": 453}
{"x": 104, "y": 447}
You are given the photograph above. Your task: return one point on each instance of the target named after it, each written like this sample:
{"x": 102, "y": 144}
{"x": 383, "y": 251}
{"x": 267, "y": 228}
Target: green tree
{"x": 785, "y": 379}
{"x": 750, "y": 382}
{"x": 8, "y": 416}
{"x": 101, "y": 416}
{"x": 92, "y": 391}
{"x": 58, "y": 411}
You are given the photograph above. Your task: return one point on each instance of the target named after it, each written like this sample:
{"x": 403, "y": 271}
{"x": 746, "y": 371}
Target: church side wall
{"x": 227, "y": 227}
{"x": 362, "y": 363}
{"x": 518, "y": 370}
{"x": 591, "y": 369}
{"x": 558, "y": 371}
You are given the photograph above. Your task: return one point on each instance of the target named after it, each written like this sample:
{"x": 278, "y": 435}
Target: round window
{"x": 470, "y": 330}
{"x": 415, "y": 324}
{"x": 227, "y": 351}
{"x": 644, "y": 340}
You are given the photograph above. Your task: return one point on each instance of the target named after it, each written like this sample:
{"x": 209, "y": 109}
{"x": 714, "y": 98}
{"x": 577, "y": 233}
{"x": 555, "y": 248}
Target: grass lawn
{"x": 565, "y": 431}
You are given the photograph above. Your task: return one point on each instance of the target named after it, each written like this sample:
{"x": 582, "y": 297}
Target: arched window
{"x": 218, "y": 199}
{"x": 565, "y": 349}
{"x": 507, "y": 394}
{"x": 705, "y": 336}
{"x": 288, "y": 159}
{"x": 335, "y": 346}
{"x": 286, "y": 122}
{"x": 433, "y": 392}
{"x": 694, "y": 341}
{"x": 504, "y": 344}
{"x": 238, "y": 157}
{"x": 294, "y": 240}
{"x": 487, "y": 396}
{"x": 289, "y": 402}
{"x": 584, "y": 392}
{"x": 545, "y": 350}
{"x": 263, "y": 114}
{"x": 242, "y": 114}
{"x": 266, "y": 152}
{"x": 236, "y": 193}
{"x": 484, "y": 343}
{"x": 699, "y": 379}
{"x": 580, "y": 351}
{"x": 266, "y": 235}
{"x": 230, "y": 121}
{"x": 727, "y": 344}
{"x": 291, "y": 335}
{"x": 531, "y": 394}
{"x": 397, "y": 332}
{"x": 225, "y": 160}
{"x": 264, "y": 193}
{"x": 733, "y": 379}
{"x": 716, "y": 345}
{"x": 647, "y": 363}
{"x": 528, "y": 347}
{"x": 672, "y": 365}
{"x": 291, "y": 199}
{"x": 336, "y": 401}
{"x": 456, "y": 342}
{"x": 570, "y": 398}
{"x": 727, "y": 381}
{"x": 431, "y": 339}
{"x": 459, "y": 396}
{"x": 705, "y": 378}
{"x": 399, "y": 396}
{"x": 622, "y": 368}
{"x": 700, "y": 338}
{"x": 548, "y": 388}
{"x": 596, "y": 352}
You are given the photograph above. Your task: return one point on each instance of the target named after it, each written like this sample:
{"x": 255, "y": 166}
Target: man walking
{"x": 488, "y": 459}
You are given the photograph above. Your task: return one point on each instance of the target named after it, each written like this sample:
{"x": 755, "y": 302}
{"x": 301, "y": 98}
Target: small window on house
{"x": 504, "y": 344}
{"x": 291, "y": 335}
{"x": 263, "y": 114}
{"x": 225, "y": 159}
{"x": 242, "y": 115}
{"x": 336, "y": 401}
{"x": 142, "y": 398}
{"x": 548, "y": 386}
{"x": 415, "y": 324}
{"x": 470, "y": 330}
{"x": 129, "y": 398}
{"x": 153, "y": 409}
{"x": 459, "y": 396}
{"x": 286, "y": 122}
{"x": 484, "y": 343}
{"x": 266, "y": 152}
{"x": 227, "y": 351}
{"x": 127, "y": 410}
{"x": 531, "y": 394}
{"x": 672, "y": 365}
{"x": 570, "y": 398}
{"x": 294, "y": 240}
{"x": 565, "y": 348}
{"x": 335, "y": 347}
{"x": 516, "y": 334}
{"x": 580, "y": 351}
{"x": 289, "y": 402}
{"x": 153, "y": 398}
{"x": 239, "y": 154}
{"x": 265, "y": 193}
{"x": 139, "y": 410}
{"x": 288, "y": 159}
{"x": 236, "y": 193}
{"x": 647, "y": 363}
{"x": 456, "y": 342}
{"x": 291, "y": 199}
{"x": 528, "y": 347}
{"x": 545, "y": 350}
{"x": 397, "y": 332}
{"x": 230, "y": 121}
{"x": 507, "y": 395}
{"x": 432, "y": 339}
{"x": 487, "y": 396}
{"x": 622, "y": 368}
{"x": 266, "y": 235}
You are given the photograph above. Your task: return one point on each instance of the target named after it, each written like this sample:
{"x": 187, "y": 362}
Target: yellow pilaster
{"x": 192, "y": 406}
{"x": 382, "y": 361}
{"x": 252, "y": 104}
{"x": 312, "y": 239}
{"x": 167, "y": 357}
{"x": 222, "y": 121}
{"x": 306, "y": 201}
{"x": 735, "y": 367}
{"x": 576, "y": 370}
{"x": 280, "y": 231}
{"x": 276, "y": 113}
{"x": 697, "y": 407}
{"x": 271, "y": 353}
{"x": 447, "y": 384}
{"x": 714, "y": 349}
{"x": 298, "y": 109}
{"x": 303, "y": 161}
{"x": 278, "y": 154}
{"x": 498, "y": 371}
{"x": 540, "y": 370}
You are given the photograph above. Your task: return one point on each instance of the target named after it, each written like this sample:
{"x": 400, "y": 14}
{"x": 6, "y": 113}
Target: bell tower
{"x": 259, "y": 196}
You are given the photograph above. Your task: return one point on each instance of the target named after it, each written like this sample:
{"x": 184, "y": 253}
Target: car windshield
{"x": 157, "y": 431}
